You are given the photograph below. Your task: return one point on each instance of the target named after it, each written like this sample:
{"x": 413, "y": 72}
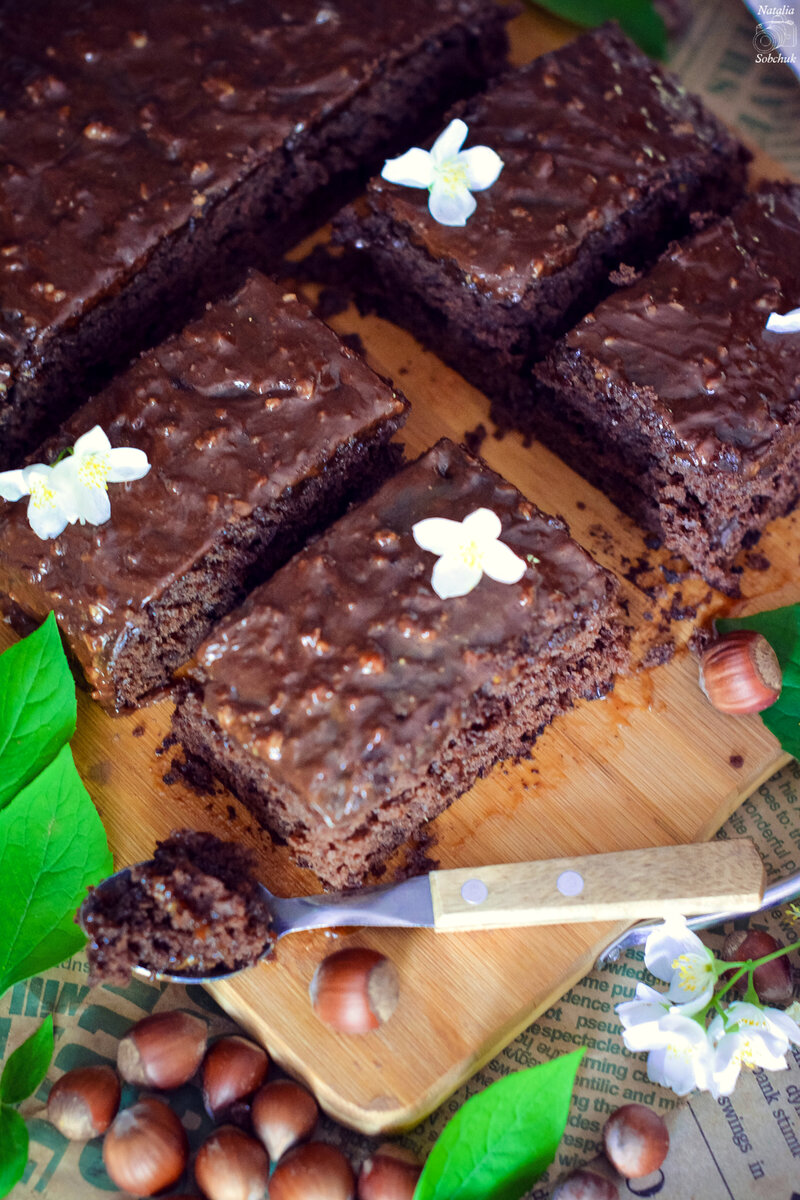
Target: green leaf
{"x": 52, "y": 847}
{"x": 638, "y": 18}
{"x": 27, "y": 1066}
{"x": 781, "y": 628}
{"x": 37, "y": 707}
{"x": 13, "y": 1149}
{"x": 499, "y": 1143}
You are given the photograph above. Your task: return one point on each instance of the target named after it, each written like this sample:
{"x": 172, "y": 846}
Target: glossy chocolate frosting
{"x": 688, "y": 344}
{"x": 348, "y": 675}
{"x": 121, "y": 122}
{"x": 769, "y": 223}
{"x": 244, "y": 403}
{"x": 585, "y": 133}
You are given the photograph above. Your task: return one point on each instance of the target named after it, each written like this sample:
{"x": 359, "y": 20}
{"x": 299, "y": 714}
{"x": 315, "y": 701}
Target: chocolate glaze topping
{"x": 688, "y": 343}
{"x": 585, "y": 133}
{"x": 348, "y": 675}
{"x": 769, "y": 224}
{"x": 244, "y": 403}
{"x": 121, "y": 122}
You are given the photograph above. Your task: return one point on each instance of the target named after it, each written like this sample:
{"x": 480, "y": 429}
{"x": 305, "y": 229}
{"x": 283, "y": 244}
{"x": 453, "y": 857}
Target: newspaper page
{"x": 743, "y": 1147}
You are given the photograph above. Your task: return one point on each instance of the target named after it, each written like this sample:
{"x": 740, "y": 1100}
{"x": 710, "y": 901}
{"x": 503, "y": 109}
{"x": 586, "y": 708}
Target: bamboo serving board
{"x": 652, "y": 764}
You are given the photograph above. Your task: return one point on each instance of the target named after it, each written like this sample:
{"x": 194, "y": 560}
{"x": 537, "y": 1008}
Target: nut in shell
{"x": 636, "y": 1140}
{"x": 740, "y": 673}
{"x": 231, "y": 1165}
{"x": 283, "y": 1114}
{"x": 355, "y": 990}
{"x": 313, "y": 1171}
{"x": 145, "y": 1150}
{"x": 232, "y": 1069}
{"x": 83, "y": 1102}
{"x": 162, "y": 1051}
{"x": 391, "y": 1173}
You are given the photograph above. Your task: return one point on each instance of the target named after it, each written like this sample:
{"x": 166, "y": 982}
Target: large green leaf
{"x": 781, "y": 628}
{"x": 638, "y": 18}
{"x": 27, "y": 1066}
{"x": 499, "y": 1142}
{"x": 13, "y": 1149}
{"x": 37, "y": 707}
{"x": 52, "y": 847}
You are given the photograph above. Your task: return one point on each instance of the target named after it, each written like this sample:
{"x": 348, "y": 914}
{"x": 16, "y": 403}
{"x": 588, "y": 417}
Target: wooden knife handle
{"x": 626, "y": 885}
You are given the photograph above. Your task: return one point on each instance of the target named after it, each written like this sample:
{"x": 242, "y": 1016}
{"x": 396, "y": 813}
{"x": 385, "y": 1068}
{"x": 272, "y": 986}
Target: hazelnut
{"x": 162, "y": 1051}
{"x": 233, "y": 1068}
{"x": 314, "y": 1171}
{"x": 586, "y": 1185}
{"x": 773, "y": 981}
{"x": 230, "y": 1165}
{"x": 390, "y": 1174}
{"x": 283, "y": 1114}
{"x": 740, "y": 673}
{"x": 354, "y": 990}
{"x": 83, "y": 1102}
{"x": 636, "y": 1140}
{"x": 145, "y": 1150}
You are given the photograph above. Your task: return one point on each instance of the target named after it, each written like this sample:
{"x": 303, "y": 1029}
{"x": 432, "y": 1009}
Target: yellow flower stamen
{"x": 93, "y": 471}
{"x": 42, "y": 495}
{"x": 690, "y": 971}
{"x": 454, "y": 176}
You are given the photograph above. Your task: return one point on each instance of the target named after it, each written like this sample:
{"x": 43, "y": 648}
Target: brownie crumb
{"x": 624, "y": 276}
{"x": 169, "y": 741}
{"x": 474, "y": 438}
{"x": 699, "y": 641}
{"x": 231, "y": 812}
{"x": 652, "y": 541}
{"x": 138, "y": 731}
{"x": 736, "y": 761}
{"x": 757, "y": 562}
{"x": 580, "y": 505}
{"x": 194, "y": 773}
{"x": 659, "y": 654}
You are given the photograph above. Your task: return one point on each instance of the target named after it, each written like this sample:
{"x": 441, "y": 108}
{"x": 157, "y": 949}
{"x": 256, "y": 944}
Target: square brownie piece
{"x": 605, "y": 157}
{"x": 259, "y": 425}
{"x": 674, "y": 399}
{"x": 346, "y": 702}
{"x": 148, "y": 149}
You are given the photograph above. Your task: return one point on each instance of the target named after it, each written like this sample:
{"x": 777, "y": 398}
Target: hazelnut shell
{"x": 162, "y": 1051}
{"x": 636, "y": 1140}
{"x": 232, "y": 1069}
{"x": 740, "y": 673}
{"x": 146, "y": 1149}
{"x": 283, "y": 1113}
{"x": 313, "y": 1171}
{"x": 354, "y": 990}
{"x": 83, "y": 1102}
{"x": 231, "y": 1165}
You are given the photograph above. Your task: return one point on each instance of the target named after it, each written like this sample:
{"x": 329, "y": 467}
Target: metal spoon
{"x": 625, "y": 885}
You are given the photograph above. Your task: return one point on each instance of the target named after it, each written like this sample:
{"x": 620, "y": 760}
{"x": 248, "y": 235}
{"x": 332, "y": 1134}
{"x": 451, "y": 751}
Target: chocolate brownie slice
{"x": 675, "y": 400}
{"x": 194, "y": 907}
{"x": 147, "y": 149}
{"x": 259, "y": 426}
{"x": 347, "y": 703}
{"x": 605, "y": 157}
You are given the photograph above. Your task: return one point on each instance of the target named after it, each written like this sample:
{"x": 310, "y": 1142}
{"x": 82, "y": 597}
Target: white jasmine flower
{"x": 468, "y": 549}
{"x": 449, "y": 173}
{"x": 680, "y": 1055}
{"x": 93, "y": 466}
{"x": 51, "y": 506}
{"x": 749, "y": 1036}
{"x": 786, "y": 323}
{"x": 648, "y": 1007}
{"x": 677, "y": 956}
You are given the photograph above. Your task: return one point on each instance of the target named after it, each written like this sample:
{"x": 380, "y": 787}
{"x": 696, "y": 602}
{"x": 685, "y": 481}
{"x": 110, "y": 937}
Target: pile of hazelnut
{"x": 145, "y": 1148}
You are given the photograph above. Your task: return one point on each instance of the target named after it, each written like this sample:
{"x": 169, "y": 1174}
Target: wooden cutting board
{"x": 651, "y": 764}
